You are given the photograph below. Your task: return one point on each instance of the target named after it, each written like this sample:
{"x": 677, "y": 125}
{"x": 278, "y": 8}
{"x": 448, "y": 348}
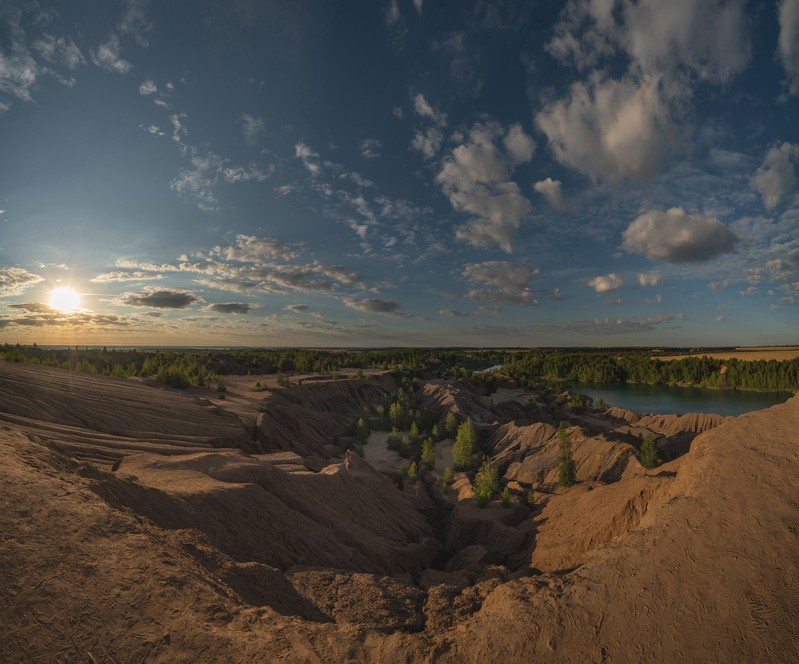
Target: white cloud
{"x": 18, "y": 69}
{"x": 676, "y": 236}
{"x": 783, "y": 267}
{"x": 776, "y": 177}
{"x": 296, "y": 308}
{"x": 135, "y": 22}
{"x": 427, "y": 141}
{"x": 649, "y": 278}
{"x": 126, "y": 276}
{"x": 253, "y": 249}
{"x": 519, "y": 146}
{"x": 198, "y": 183}
{"x": 252, "y": 128}
{"x": 788, "y": 46}
{"x": 607, "y": 325}
{"x": 500, "y": 273}
{"x": 551, "y": 190}
{"x": 148, "y": 87}
{"x": 418, "y": 5}
{"x": 607, "y": 283}
{"x": 425, "y": 110}
{"x": 13, "y": 280}
{"x": 476, "y": 178}
{"x": 370, "y": 148}
{"x": 107, "y": 56}
{"x": 393, "y": 12}
{"x": 308, "y": 157}
{"x": 614, "y": 130}
{"x": 59, "y": 50}
{"x": 453, "y": 313}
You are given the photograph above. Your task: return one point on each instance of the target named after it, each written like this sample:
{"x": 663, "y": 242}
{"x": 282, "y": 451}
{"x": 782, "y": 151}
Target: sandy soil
{"x": 213, "y": 554}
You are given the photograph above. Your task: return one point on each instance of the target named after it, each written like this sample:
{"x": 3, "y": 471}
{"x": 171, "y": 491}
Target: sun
{"x": 65, "y": 300}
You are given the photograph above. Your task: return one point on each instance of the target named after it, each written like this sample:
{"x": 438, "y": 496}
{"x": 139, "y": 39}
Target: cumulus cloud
{"x": 132, "y": 264}
{"x": 160, "y": 298}
{"x": 374, "y": 306}
{"x": 229, "y": 307}
{"x": 135, "y": 21}
{"x": 117, "y": 275}
{"x": 788, "y": 46}
{"x": 606, "y": 283}
{"x": 677, "y": 236}
{"x": 614, "y": 130}
{"x": 18, "y": 69}
{"x": 783, "y": 266}
{"x": 13, "y": 280}
{"x": 649, "y": 278}
{"x": 519, "y": 146}
{"x": 108, "y": 56}
{"x": 198, "y": 182}
{"x": 297, "y": 308}
{"x": 59, "y": 50}
{"x": 776, "y": 177}
{"x": 624, "y": 128}
{"x": 252, "y": 128}
{"x": 476, "y": 178}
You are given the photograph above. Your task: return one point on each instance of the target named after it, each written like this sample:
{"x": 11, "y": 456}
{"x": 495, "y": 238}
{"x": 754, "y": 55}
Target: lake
{"x": 667, "y": 399}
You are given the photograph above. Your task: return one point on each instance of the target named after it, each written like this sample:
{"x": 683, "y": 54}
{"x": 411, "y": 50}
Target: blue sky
{"x": 402, "y": 172}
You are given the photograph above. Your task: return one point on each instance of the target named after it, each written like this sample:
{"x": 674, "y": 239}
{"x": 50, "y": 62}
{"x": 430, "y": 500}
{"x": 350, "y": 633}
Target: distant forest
{"x": 181, "y": 368}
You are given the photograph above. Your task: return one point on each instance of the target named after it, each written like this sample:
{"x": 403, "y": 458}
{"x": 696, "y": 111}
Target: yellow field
{"x": 778, "y": 353}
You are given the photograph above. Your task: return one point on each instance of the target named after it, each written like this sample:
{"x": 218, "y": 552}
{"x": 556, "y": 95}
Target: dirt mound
{"x": 348, "y": 516}
{"x": 104, "y": 418}
{"x": 530, "y": 454}
{"x": 671, "y": 425}
{"x": 305, "y": 418}
{"x": 441, "y": 398}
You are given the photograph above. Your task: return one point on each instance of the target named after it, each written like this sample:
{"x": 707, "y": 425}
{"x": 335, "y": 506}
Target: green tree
{"x": 567, "y": 471}
{"x": 463, "y": 449}
{"x": 362, "y": 431}
{"x": 435, "y": 434}
{"x": 414, "y": 432}
{"x": 428, "y": 456}
{"x": 505, "y": 497}
{"x": 412, "y": 473}
{"x": 486, "y": 483}
{"x": 446, "y": 477}
{"x": 648, "y": 456}
{"x": 451, "y": 425}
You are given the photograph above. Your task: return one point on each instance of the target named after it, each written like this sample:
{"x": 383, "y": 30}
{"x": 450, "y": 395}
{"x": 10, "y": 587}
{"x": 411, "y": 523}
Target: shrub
{"x": 505, "y": 497}
{"x": 648, "y": 456}
{"x": 451, "y": 425}
{"x": 394, "y": 440}
{"x": 412, "y": 473}
{"x": 486, "y": 483}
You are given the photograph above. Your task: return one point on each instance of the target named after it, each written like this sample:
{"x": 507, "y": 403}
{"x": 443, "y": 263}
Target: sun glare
{"x": 65, "y": 300}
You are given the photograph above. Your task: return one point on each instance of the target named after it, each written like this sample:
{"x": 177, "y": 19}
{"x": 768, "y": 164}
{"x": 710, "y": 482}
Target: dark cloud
{"x": 375, "y": 306}
{"x": 160, "y": 298}
{"x": 229, "y": 307}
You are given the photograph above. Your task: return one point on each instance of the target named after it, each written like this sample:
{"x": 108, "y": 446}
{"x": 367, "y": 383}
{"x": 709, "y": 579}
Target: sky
{"x": 399, "y": 173}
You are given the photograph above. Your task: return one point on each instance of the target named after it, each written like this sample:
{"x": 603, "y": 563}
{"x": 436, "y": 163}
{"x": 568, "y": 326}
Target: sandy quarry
{"x": 140, "y": 524}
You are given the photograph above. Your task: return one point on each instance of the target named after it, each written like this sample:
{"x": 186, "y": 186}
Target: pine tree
{"x": 567, "y": 471}
{"x": 486, "y": 483}
{"x": 648, "y": 456}
{"x": 463, "y": 449}
{"x": 451, "y": 425}
{"x": 428, "y": 456}
{"x": 446, "y": 477}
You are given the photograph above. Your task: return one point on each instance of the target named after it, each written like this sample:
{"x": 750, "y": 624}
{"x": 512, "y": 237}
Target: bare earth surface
{"x": 139, "y": 524}
{"x": 778, "y": 353}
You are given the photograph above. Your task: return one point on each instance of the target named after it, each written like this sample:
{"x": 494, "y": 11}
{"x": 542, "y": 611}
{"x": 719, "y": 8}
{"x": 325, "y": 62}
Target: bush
{"x": 505, "y": 497}
{"x": 451, "y": 425}
{"x": 648, "y": 456}
{"x": 486, "y": 483}
{"x": 412, "y": 473}
{"x": 394, "y": 440}
{"x": 463, "y": 449}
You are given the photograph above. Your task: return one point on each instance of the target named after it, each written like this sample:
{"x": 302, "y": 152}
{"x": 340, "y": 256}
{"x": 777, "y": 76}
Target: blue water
{"x": 665, "y": 399}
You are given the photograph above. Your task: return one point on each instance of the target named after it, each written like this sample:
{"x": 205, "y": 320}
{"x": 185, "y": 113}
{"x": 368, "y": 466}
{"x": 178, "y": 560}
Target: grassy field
{"x": 778, "y": 353}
